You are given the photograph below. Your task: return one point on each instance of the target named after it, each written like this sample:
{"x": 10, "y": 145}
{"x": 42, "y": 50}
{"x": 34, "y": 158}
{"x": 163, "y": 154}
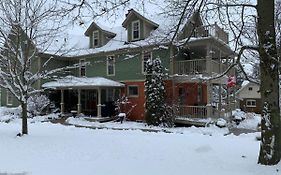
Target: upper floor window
{"x": 110, "y": 65}
{"x": 135, "y": 30}
{"x": 250, "y": 88}
{"x": 82, "y": 68}
{"x": 9, "y": 98}
{"x": 145, "y": 57}
{"x": 95, "y": 38}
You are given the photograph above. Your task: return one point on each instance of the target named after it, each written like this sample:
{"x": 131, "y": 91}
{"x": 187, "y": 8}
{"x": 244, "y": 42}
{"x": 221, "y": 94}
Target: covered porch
{"x": 93, "y": 96}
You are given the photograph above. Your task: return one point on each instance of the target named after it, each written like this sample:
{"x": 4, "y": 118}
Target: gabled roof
{"x": 93, "y": 25}
{"x": 132, "y": 12}
{"x": 244, "y": 85}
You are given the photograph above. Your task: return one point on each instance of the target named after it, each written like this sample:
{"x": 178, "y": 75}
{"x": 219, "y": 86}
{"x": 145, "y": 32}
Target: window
{"x": 251, "y": 103}
{"x": 9, "y": 98}
{"x": 135, "y": 30}
{"x": 133, "y": 91}
{"x": 110, "y": 65}
{"x": 145, "y": 57}
{"x": 82, "y": 68}
{"x": 250, "y": 88}
{"x": 95, "y": 38}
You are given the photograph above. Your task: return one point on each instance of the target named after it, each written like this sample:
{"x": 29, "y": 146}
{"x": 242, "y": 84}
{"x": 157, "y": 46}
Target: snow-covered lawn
{"x": 68, "y": 150}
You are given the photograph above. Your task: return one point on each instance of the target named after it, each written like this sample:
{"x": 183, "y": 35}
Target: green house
{"x": 113, "y": 60}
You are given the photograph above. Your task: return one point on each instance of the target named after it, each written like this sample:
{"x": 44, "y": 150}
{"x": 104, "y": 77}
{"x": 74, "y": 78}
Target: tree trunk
{"x": 24, "y": 118}
{"x": 270, "y": 124}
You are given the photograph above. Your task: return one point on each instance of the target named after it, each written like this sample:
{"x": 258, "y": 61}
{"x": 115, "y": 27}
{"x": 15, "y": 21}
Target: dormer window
{"x": 135, "y": 30}
{"x": 95, "y": 38}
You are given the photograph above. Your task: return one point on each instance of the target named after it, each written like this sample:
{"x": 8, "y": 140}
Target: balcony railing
{"x": 211, "y": 30}
{"x": 201, "y": 112}
{"x": 198, "y": 66}
{"x": 192, "y": 112}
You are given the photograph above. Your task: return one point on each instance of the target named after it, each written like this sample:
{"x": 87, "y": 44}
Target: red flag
{"x": 231, "y": 81}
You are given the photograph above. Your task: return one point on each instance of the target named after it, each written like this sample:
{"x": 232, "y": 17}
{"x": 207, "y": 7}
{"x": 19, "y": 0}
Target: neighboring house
{"x": 113, "y": 62}
{"x": 249, "y": 97}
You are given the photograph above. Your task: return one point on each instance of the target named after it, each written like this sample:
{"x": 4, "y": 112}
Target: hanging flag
{"x": 231, "y": 81}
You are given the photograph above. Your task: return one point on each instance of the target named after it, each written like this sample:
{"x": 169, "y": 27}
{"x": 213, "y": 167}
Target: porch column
{"x": 220, "y": 100}
{"x": 99, "y": 103}
{"x": 209, "y": 99}
{"x": 209, "y": 59}
{"x": 62, "y": 101}
{"x": 79, "y": 102}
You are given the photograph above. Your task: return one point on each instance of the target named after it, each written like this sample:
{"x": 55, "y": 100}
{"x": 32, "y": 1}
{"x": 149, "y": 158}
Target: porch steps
{"x": 101, "y": 119}
{"x": 198, "y": 122}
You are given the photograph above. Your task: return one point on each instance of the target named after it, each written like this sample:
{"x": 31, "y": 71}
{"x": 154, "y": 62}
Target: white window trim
{"x": 132, "y": 34}
{"x": 107, "y": 64}
{"x": 93, "y": 42}
{"x": 80, "y": 67}
{"x": 129, "y": 91}
{"x": 9, "y": 103}
{"x": 142, "y": 62}
{"x": 252, "y": 106}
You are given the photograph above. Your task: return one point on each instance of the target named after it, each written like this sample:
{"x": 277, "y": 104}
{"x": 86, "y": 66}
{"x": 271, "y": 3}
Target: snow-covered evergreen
{"x": 157, "y": 111}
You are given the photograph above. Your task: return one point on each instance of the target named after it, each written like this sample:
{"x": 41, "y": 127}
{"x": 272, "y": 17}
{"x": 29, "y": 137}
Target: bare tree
{"x": 27, "y": 28}
{"x": 252, "y": 26}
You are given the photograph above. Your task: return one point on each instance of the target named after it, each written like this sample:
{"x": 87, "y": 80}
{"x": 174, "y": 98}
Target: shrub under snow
{"x": 37, "y": 103}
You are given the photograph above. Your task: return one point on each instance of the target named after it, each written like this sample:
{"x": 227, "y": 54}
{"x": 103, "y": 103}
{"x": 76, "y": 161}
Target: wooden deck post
{"x": 209, "y": 100}
{"x": 99, "y": 103}
{"x": 62, "y": 101}
{"x": 209, "y": 60}
{"x": 79, "y": 102}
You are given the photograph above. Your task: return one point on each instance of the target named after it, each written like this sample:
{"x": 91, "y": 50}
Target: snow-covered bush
{"x": 221, "y": 123}
{"x": 37, "y": 103}
{"x": 124, "y": 106}
{"x": 157, "y": 111}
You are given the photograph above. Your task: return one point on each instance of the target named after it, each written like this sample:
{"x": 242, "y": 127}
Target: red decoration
{"x": 231, "y": 81}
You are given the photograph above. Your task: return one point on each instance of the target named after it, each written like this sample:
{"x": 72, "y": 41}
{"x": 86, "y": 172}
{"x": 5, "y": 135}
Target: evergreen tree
{"x": 157, "y": 111}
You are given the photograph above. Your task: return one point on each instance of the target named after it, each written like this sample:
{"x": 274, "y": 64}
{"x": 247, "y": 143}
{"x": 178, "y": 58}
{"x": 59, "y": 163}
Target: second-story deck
{"x": 211, "y": 30}
{"x": 198, "y": 66}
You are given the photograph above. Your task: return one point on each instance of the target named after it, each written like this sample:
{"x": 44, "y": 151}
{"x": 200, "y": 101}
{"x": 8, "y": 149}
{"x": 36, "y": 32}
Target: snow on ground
{"x": 58, "y": 149}
{"x": 249, "y": 120}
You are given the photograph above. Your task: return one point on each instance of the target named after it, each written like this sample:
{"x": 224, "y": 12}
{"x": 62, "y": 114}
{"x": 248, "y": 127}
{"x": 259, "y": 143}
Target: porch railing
{"x": 190, "y": 66}
{"x": 192, "y": 112}
{"x": 211, "y": 30}
{"x": 198, "y": 66}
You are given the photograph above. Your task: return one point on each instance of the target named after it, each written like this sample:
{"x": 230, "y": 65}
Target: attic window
{"x": 250, "y": 88}
{"x": 95, "y": 38}
{"x": 135, "y": 30}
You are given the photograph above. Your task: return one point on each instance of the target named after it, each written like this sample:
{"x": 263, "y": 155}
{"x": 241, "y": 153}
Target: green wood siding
{"x": 125, "y": 68}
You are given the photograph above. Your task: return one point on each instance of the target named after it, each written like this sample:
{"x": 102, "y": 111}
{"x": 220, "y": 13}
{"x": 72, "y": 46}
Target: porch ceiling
{"x": 81, "y": 83}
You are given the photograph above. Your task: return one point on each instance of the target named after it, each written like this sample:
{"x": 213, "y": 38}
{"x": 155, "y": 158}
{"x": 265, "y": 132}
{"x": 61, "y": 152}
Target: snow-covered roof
{"x": 81, "y": 82}
{"x": 244, "y": 83}
{"x": 151, "y": 13}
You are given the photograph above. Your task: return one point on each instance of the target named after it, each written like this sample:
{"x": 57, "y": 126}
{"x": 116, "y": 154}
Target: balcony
{"x": 198, "y": 66}
{"x": 201, "y": 112}
{"x": 211, "y": 30}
